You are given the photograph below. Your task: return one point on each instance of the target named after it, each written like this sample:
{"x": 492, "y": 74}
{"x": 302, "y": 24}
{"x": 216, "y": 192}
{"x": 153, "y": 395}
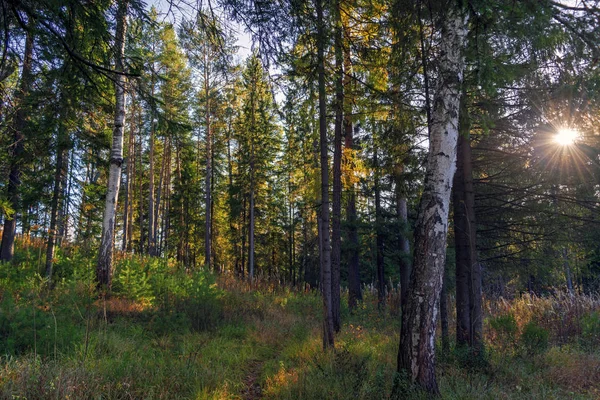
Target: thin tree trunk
{"x": 141, "y": 192}
{"x": 475, "y": 290}
{"x": 378, "y": 233}
{"x": 104, "y": 266}
{"x": 417, "y": 337}
{"x": 462, "y": 245}
{"x": 325, "y": 248}
{"x": 251, "y": 232}
{"x": 336, "y": 212}
{"x": 128, "y": 187}
{"x": 208, "y": 183}
{"x": 55, "y": 204}
{"x": 354, "y": 289}
{"x": 62, "y": 224}
{"x": 232, "y": 229}
{"x": 151, "y": 211}
{"x": 403, "y": 242}
{"x": 243, "y": 235}
{"x": 468, "y": 270}
{"x": 167, "y": 203}
{"x": 159, "y": 194}
{"x": 567, "y": 267}
{"x": 7, "y": 246}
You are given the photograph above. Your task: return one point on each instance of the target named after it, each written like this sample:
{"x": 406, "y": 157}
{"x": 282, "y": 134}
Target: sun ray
{"x": 566, "y": 136}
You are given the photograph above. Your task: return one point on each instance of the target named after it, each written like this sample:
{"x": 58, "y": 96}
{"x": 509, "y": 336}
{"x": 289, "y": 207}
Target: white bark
{"x": 417, "y": 339}
{"x": 104, "y": 265}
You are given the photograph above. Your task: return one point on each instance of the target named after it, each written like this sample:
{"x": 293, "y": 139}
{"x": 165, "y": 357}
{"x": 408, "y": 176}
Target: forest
{"x": 300, "y": 199}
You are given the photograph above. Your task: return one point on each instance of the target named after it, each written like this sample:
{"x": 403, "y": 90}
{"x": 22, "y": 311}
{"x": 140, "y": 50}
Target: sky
{"x": 177, "y": 10}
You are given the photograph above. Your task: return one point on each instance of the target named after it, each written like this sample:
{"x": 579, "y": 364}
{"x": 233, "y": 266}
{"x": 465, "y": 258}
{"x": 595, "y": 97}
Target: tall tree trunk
{"x": 336, "y": 212}
{"x": 462, "y": 240}
{"x": 378, "y": 233}
{"x": 159, "y": 194}
{"x": 417, "y": 335}
{"x": 403, "y": 242}
{"x": 208, "y": 183}
{"x": 469, "y": 329}
{"x": 232, "y": 228}
{"x": 567, "y": 267}
{"x": 7, "y": 246}
{"x": 128, "y": 186}
{"x": 62, "y": 224}
{"x": 151, "y": 210}
{"x": 243, "y": 235}
{"x": 140, "y": 167}
{"x": 61, "y": 156}
{"x": 104, "y": 265}
{"x": 167, "y": 203}
{"x": 251, "y": 229}
{"x": 354, "y": 289}
{"x": 324, "y": 239}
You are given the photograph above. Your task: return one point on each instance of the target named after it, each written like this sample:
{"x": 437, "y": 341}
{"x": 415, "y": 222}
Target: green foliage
{"x": 505, "y": 329}
{"x": 534, "y": 338}
{"x": 132, "y": 281}
{"x": 590, "y": 329}
{"x": 35, "y": 326}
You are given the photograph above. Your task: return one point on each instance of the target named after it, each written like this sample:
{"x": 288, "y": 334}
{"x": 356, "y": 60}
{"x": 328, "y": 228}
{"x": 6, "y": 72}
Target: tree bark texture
{"x": 7, "y": 247}
{"x": 378, "y": 234}
{"x": 208, "y": 179}
{"x": 129, "y": 173}
{"x": 105, "y": 253}
{"x": 324, "y": 237}
{"x": 417, "y": 336}
{"x": 403, "y": 242}
{"x": 336, "y": 212}
{"x": 60, "y": 172}
{"x": 469, "y": 319}
{"x": 354, "y": 289}
{"x": 151, "y": 191}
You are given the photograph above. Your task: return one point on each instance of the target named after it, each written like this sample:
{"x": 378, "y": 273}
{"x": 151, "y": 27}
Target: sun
{"x": 566, "y": 136}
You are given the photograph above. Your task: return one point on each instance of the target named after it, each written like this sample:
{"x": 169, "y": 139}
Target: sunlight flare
{"x": 566, "y": 136}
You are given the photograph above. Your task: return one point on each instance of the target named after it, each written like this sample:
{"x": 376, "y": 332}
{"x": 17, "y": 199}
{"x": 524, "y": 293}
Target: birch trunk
{"x": 417, "y": 335}
{"x": 105, "y": 253}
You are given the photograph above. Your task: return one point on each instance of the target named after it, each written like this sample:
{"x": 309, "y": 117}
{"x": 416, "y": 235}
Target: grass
{"x": 201, "y": 337}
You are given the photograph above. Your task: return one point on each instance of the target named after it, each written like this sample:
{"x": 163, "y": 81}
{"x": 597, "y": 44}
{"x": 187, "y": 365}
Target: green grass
{"x": 168, "y": 335}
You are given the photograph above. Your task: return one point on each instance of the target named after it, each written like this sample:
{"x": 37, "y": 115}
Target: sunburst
{"x": 566, "y": 136}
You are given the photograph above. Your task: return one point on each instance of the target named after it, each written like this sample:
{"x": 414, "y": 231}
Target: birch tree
{"x": 417, "y": 337}
{"x": 104, "y": 264}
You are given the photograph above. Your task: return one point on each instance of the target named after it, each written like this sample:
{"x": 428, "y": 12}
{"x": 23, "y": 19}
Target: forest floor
{"x": 236, "y": 341}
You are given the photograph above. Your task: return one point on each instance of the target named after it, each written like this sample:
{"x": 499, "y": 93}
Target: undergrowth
{"x": 169, "y": 333}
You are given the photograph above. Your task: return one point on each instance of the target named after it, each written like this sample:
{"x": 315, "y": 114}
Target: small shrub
{"x": 133, "y": 282}
{"x": 534, "y": 338}
{"x": 504, "y": 328}
{"x": 30, "y": 327}
{"x": 590, "y": 329}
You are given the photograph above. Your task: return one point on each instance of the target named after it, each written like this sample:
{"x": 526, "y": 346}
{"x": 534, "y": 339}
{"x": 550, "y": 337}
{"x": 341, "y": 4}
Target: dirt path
{"x": 252, "y": 389}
